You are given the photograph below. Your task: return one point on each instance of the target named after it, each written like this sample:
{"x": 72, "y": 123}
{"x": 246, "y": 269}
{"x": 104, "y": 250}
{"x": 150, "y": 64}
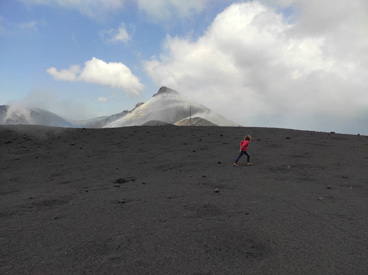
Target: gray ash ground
{"x": 167, "y": 200}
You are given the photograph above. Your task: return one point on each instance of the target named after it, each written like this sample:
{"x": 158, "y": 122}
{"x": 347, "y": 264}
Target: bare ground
{"x": 167, "y": 200}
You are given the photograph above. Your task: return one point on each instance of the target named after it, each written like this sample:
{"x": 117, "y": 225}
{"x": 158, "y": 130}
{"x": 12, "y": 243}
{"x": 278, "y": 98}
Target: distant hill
{"x": 195, "y": 121}
{"x": 166, "y": 107}
{"x": 31, "y": 116}
{"x": 169, "y": 106}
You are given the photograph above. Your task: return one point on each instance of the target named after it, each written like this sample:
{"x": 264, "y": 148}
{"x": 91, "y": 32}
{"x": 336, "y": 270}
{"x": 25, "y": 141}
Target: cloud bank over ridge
{"x": 259, "y": 67}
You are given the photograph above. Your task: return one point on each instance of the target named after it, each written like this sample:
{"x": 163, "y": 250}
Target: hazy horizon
{"x": 293, "y": 64}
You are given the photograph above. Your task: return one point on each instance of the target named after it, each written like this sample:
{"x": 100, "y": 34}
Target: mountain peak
{"x": 164, "y": 90}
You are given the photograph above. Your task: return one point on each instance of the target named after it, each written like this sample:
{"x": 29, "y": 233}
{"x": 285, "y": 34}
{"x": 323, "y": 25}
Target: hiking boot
{"x": 235, "y": 164}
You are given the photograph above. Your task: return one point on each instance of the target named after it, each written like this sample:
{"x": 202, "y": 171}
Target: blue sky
{"x": 271, "y": 63}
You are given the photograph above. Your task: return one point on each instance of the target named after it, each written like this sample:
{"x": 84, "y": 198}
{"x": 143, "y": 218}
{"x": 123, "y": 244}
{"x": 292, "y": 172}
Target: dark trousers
{"x": 241, "y": 154}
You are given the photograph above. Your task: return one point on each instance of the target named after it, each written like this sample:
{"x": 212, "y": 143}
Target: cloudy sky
{"x": 299, "y": 64}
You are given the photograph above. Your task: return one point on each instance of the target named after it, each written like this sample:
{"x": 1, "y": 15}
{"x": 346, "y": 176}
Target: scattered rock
{"x": 345, "y": 177}
{"x": 321, "y": 198}
{"x": 121, "y": 201}
{"x": 219, "y": 162}
{"x": 329, "y": 187}
{"x": 288, "y": 138}
{"x": 217, "y": 190}
{"x": 125, "y": 180}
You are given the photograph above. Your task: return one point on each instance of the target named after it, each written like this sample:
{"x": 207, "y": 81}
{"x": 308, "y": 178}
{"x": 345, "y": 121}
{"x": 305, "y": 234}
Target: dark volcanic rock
{"x": 193, "y": 216}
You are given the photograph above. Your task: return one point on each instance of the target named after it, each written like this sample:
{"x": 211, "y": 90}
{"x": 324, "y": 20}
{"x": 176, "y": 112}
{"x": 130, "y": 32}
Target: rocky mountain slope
{"x": 170, "y": 107}
{"x": 166, "y": 107}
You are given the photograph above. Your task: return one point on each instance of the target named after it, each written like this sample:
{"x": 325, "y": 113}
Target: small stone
{"x": 219, "y": 162}
{"x": 125, "y": 180}
{"x": 320, "y": 198}
{"x": 121, "y": 180}
{"x": 217, "y": 190}
{"x": 329, "y": 187}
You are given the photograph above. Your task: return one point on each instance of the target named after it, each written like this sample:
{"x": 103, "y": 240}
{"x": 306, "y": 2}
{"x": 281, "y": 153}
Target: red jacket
{"x": 244, "y": 145}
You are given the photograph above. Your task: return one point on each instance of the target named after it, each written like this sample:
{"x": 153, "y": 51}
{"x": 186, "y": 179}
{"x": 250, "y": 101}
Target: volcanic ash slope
{"x": 169, "y": 107}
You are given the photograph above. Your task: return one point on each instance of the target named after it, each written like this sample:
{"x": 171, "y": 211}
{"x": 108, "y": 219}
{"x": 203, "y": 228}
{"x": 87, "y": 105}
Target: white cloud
{"x": 259, "y": 68}
{"x": 162, "y": 10}
{"x": 113, "y": 74}
{"x": 68, "y": 75}
{"x": 102, "y": 99}
{"x": 114, "y": 36}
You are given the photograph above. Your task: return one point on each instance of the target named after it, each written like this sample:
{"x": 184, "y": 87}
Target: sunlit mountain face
{"x": 170, "y": 107}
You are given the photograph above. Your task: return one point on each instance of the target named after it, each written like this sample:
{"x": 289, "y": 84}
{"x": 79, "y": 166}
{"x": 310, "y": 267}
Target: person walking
{"x": 243, "y": 150}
